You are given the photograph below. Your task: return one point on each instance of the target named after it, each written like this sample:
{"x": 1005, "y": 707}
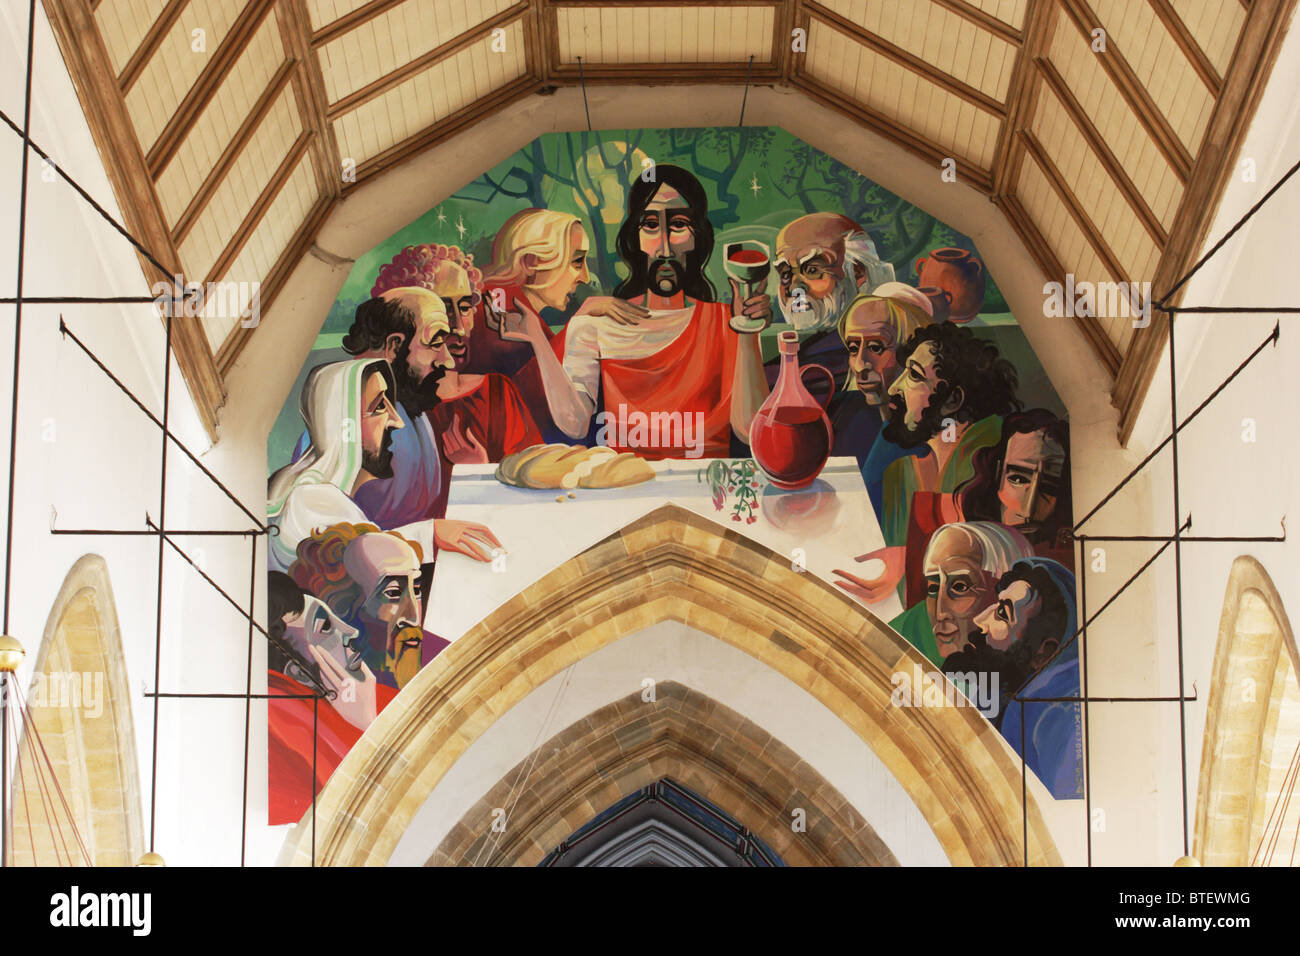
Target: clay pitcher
{"x": 958, "y": 273}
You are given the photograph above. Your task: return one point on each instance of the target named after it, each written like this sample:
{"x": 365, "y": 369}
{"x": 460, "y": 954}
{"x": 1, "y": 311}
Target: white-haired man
{"x": 823, "y": 260}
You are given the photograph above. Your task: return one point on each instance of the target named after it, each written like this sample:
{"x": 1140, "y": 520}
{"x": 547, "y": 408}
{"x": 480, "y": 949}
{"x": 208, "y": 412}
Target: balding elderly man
{"x": 823, "y": 260}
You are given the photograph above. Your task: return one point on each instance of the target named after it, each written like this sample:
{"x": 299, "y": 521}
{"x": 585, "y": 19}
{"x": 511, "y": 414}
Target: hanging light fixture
{"x": 11, "y": 653}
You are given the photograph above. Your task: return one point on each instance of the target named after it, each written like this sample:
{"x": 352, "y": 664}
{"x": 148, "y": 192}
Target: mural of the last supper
{"x": 725, "y": 319}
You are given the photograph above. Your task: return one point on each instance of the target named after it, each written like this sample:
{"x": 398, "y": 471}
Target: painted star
{"x": 753, "y": 184}
{"x": 442, "y": 216}
{"x": 460, "y": 226}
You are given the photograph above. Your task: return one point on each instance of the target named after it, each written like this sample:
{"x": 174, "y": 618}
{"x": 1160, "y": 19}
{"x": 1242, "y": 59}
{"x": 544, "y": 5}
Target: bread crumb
{"x": 572, "y": 495}
{"x": 559, "y": 498}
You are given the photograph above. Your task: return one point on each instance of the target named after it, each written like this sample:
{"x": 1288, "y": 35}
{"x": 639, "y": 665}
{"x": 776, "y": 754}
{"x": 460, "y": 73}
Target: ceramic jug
{"x": 791, "y": 435}
{"x": 958, "y": 273}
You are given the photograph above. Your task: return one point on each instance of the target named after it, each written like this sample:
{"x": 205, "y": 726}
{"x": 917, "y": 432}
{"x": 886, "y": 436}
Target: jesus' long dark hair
{"x": 696, "y": 284}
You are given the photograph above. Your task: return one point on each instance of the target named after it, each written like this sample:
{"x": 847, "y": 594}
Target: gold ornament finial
{"x": 11, "y": 653}
{"x": 150, "y": 859}
{"x": 1187, "y": 861}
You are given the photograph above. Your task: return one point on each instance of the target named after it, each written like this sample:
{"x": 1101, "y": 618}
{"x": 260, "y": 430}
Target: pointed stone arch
{"x": 675, "y": 565}
{"x": 1255, "y": 668}
{"x": 621, "y": 748}
{"x": 80, "y": 704}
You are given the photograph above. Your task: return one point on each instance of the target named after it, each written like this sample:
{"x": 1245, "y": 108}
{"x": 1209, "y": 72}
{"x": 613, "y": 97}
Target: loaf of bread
{"x": 572, "y": 466}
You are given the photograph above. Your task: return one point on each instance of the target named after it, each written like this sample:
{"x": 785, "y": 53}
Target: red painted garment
{"x": 494, "y": 413}
{"x": 289, "y": 733}
{"x": 693, "y": 373}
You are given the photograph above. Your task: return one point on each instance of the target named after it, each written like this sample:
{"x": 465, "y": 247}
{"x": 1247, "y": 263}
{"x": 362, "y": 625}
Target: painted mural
{"x": 726, "y": 318}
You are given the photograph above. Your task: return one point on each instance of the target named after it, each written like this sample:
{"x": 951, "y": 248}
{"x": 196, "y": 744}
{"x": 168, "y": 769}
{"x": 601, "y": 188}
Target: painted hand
{"x": 460, "y": 445}
{"x": 871, "y": 590}
{"x": 355, "y": 698}
{"x": 757, "y": 308}
{"x": 466, "y": 537}
{"x": 620, "y": 310}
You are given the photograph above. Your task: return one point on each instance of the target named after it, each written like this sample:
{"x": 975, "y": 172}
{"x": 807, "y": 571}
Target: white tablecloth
{"x": 831, "y": 521}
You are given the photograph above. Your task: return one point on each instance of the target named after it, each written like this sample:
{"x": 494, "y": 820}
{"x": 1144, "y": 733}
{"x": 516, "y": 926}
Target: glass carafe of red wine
{"x": 791, "y": 435}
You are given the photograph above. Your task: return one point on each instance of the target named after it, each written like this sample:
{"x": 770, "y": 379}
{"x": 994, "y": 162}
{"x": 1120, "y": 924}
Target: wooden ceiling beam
{"x": 350, "y": 21}
{"x": 1252, "y": 64}
{"x": 661, "y": 73}
{"x": 1109, "y": 161}
{"x": 535, "y": 59}
{"x": 1040, "y": 251}
{"x": 1080, "y": 216}
{"x": 787, "y": 15}
{"x": 423, "y": 62}
{"x": 309, "y": 92}
{"x": 149, "y": 44}
{"x": 985, "y": 21}
{"x": 231, "y": 153}
{"x": 1187, "y": 43}
{"x": 1132, "y": 90}
{"x": 92, "y": 75}
{"x": 205, "y": 87}
{"x": 906, "y": 60}
{"x": 1022, "y": 94}
{"x": 967, "y": 171}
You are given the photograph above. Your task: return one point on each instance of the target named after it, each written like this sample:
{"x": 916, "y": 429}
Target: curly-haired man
{"x": 950, "y": 396}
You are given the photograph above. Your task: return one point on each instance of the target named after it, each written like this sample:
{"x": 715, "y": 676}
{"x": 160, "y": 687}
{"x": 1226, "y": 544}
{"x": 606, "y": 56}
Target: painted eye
{"x": 876, "y": 348}
{"x": 959, "y": 587}
{"x": 1017, "y": 480}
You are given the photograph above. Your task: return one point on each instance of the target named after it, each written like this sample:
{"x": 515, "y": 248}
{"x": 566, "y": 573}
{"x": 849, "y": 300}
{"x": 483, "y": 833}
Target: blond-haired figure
{"x": 539, "y": 259}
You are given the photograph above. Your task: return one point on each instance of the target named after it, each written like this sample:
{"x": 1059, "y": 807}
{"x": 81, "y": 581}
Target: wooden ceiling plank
{"x": 1243, "y": 84}
{"x": 92, "y": 75}
{"x": 1040, "y": 23}
{"x": 444, "y": 129}
{"x": 231, "y": 153}
{"x": 259, "y": 208}
{"x": 907, "y": 60}
{"x": 967, "y": 171}
{"x": 400, "y": 75}
{"x": 1063, "y": 191}
{"x": 209, "y": 81}
{"x": 276, "y": 279}
{"x": 1109, "y": 161}
{"x": 1132, "y": 90}
{"x": 350, "y": 21}
{"x": 309, "y": 91}
{"x": 149, "y": 44}
{"x": 986, "y": 21}
{"x": 1041, "y": 252}
{"x": 1187, "y": 43}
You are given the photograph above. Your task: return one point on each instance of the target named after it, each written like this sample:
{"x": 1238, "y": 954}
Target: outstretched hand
{"x": 872, "y": 590}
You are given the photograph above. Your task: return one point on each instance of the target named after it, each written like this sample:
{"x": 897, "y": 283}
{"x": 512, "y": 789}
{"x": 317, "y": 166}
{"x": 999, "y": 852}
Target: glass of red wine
{"x": 748, "y": 261}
